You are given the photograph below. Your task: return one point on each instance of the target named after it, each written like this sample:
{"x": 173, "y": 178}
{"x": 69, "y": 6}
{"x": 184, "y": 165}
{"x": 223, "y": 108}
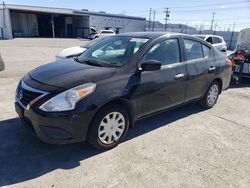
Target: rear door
{"x": 199, "y": 58}
{"x": 161, "y": 89}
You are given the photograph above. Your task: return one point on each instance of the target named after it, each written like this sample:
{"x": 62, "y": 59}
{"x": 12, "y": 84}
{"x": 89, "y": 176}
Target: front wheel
{"x": 108, "y": 127}
{"x": 211, "y": 96}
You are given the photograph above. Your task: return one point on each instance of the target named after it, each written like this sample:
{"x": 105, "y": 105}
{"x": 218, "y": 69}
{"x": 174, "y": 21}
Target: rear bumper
{"x": 56, "y": 128}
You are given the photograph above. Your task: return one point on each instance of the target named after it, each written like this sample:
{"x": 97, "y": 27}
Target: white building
{"x": 30, "y": 21}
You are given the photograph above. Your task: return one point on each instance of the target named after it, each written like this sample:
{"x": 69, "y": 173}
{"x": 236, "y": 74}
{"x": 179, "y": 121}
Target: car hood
{"x": 72, "y": 51}
{"x": 68, "y": 73}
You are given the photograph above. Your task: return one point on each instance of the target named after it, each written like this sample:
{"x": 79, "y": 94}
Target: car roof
{"x": 149, "y": 35}
{"x": 209, "y": 36}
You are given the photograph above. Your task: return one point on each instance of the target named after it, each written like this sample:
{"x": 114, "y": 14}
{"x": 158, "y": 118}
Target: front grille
{"x": 26, "y": 94}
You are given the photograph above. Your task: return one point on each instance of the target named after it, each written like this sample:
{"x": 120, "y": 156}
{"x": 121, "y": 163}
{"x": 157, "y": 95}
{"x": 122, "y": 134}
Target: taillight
{"x": 229, "y": 61}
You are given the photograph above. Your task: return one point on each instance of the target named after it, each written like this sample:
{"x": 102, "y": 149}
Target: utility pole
{"x": 212, "y": 23}
{"x": 186, "y": 27}
{"x": 149, "y": 19}
{"x": 200, "y": 28}
{"x": 154, "y": 12}
{"x": 232, "y": 35}
{"x": 167, "y": 18}
{"x": 215, "y": 26}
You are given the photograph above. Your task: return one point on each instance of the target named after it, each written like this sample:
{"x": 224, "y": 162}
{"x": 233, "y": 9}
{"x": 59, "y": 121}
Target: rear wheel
{"x": 109, "y": 127}
{"x": 211, "y": 96}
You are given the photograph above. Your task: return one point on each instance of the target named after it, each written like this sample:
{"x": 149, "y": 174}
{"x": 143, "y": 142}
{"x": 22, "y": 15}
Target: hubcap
{"x": 111, "y": 128}
{"x": 212, "y": 95}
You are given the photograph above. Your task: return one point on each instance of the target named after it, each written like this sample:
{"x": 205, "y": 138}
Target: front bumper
{"x": 56, "y": 128}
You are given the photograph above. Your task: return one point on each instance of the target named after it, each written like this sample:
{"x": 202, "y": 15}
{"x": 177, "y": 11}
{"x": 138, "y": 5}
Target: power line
{"x": 210, "y": 4}
{"x": 197, "y": 6}
{"x": 227, "y": 19}
{"x": 215, "y": 9}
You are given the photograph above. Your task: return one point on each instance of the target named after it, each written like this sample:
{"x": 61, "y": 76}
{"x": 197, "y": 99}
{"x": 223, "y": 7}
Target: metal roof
{"x": 67, "y": 11}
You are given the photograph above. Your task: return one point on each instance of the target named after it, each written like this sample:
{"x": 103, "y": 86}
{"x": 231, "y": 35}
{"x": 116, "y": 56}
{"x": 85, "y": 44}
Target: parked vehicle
{"x": 2, "y": 66}
{"x": 217, "y": 41}
{"x": 102, "y": 33}
{"x": 126, "y": 77}
{"x": 243, "y": 43}
{"x": 77, "y": 50}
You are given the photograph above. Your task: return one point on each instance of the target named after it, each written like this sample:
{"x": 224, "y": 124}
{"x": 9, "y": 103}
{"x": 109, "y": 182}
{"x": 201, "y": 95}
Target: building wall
{"x": 7, "y": 30}
{"x": 25, "y": 22}
{"x": 24, "y": 25}
{"x": 125, "y": 24}
{"x": 81, "y": 26}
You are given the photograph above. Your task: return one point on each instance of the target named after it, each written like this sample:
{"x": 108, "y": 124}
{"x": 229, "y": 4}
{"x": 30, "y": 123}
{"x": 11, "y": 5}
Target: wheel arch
{"x": 219, "y": 80}
{"x": 130, "y": 109}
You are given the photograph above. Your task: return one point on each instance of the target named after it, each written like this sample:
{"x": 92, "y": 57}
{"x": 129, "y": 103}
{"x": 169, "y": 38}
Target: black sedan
{"x": 98, "y": 96}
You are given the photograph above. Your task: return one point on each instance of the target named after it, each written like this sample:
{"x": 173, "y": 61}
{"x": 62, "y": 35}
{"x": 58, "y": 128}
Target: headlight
{"x": 67, "y": 100}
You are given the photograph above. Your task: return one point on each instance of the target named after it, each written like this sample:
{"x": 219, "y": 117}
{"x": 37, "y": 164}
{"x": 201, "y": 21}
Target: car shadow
{"x": 24, "y": 157}
{"x": 244, "y": 83}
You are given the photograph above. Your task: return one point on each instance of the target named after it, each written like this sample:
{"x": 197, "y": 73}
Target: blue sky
{"x": 191, "y": 12}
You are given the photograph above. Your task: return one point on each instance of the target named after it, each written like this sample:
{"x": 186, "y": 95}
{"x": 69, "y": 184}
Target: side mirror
{"x": 151, "y": 65}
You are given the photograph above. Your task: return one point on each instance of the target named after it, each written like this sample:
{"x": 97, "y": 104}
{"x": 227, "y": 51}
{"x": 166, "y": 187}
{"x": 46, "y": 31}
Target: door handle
{"x": 179, "y": 76}
{"x": 211, "y": 69}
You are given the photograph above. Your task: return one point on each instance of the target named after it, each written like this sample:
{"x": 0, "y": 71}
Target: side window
{"x": 167, "y": 52}
{"x": 209, "y": 40}
{"x": 193, "y": 49}
{"x": 205, "y": 50}
{"x": 216, "y": 40}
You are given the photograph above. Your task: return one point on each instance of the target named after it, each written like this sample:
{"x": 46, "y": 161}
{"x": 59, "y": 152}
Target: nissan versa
{"x": 99, "y": 95}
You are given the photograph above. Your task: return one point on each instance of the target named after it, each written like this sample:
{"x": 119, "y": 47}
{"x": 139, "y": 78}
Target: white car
{"x": 217, "y": 41}
{"x": 75, "y": 51}
{"x": 243, "y": 43}
{"x": 2, "y": 67}
{"x": 102, "y": 33}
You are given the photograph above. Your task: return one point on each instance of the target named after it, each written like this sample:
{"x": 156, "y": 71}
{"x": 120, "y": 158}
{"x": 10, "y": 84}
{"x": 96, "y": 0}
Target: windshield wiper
{"x": 92, "y": 62}
{"x": 88, "y": 61}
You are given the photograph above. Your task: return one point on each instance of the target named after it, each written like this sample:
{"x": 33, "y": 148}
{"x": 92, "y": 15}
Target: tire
{"x": 109, "y": 127}
{"x": 211, "y": 96}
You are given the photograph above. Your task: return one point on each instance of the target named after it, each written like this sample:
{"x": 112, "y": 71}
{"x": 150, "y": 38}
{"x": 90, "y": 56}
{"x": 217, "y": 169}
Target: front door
{"x": 161, "y": 89}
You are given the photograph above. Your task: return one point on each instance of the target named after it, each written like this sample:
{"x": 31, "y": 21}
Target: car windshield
{"x": 92, "y": 42}
{"x": 113, "y": 51}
